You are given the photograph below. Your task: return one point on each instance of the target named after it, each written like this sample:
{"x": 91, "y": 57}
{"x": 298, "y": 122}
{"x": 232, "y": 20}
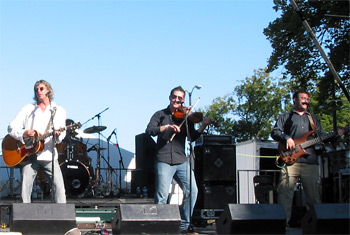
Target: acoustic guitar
{"x": 14, "y": 152}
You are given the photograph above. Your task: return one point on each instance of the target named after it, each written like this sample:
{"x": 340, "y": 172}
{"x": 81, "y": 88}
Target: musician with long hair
{"x": 35, "y": 120}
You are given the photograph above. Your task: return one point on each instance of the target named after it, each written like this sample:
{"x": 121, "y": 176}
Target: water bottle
{"x": 144, "y": 192}
{"x": 35, "y": 192}
{"x": 138, "y": 192}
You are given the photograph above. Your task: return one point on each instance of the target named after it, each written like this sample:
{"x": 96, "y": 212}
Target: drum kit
{"x": 80, "y": 180}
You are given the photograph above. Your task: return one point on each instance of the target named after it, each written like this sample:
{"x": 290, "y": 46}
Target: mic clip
{"x": 110, "y": 136}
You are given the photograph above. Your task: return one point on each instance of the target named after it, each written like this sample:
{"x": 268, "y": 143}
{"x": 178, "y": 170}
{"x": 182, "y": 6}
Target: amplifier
{"x": 214, "y": 139}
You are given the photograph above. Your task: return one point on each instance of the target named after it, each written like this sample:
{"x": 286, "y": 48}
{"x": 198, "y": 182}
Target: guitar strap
{"x": 313, "y": 126}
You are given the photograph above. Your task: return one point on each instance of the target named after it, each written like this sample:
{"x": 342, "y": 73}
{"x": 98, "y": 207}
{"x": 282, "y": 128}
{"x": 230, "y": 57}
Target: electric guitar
{"x": 14, "y": 152}
{"x": 290, "y": 156}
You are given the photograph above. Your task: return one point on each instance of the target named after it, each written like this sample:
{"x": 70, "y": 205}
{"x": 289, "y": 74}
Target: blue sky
{"x": 127, "y": 55}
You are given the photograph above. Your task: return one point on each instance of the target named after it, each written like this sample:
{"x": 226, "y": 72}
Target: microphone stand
{"x": 121, "y": 164}
{"x": 190, "y": 227}
{"x": 108, "y": 173}
{"x": 110, "y": 169}
{"x": 53, "y": 112}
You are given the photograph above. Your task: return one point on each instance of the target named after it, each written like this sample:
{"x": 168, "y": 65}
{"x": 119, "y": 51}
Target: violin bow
{"x": 185, "y": 118}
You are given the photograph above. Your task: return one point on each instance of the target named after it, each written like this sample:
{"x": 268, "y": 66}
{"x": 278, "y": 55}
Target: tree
{"x": 294, "y": 49}
{"x": 251, "y": 110}
{"x": 304, "y": 66}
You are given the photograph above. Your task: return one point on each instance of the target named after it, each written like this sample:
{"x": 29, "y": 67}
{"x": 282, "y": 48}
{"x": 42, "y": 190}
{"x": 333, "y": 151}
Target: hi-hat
{"x": 95, "y": 148}
{"x": 94, "y": 129}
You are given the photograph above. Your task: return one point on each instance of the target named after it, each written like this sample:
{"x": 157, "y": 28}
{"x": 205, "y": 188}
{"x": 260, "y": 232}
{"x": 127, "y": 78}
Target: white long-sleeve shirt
{"x": 31, "y": 117}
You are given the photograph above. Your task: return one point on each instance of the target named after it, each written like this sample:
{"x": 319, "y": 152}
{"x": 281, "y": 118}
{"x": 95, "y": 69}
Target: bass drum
{"x": 76, "y": 178}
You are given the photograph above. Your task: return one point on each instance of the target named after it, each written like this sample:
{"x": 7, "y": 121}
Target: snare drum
{"x": 76, "y": 178}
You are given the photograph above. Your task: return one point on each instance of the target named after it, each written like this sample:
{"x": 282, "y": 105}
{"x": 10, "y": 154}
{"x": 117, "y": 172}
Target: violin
{"x": 194, "y": 117}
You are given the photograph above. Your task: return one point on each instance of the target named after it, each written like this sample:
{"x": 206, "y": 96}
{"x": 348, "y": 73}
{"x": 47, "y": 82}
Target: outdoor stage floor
{"x": 107, "y": 207}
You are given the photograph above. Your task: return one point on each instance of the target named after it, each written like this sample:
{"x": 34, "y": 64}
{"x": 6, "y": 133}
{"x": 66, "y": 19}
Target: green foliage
{"x": 294, "y": 49}
{"x": 250, "y": 111}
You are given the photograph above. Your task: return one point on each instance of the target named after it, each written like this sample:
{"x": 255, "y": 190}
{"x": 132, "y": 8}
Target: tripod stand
{"x": 97, "y": 129}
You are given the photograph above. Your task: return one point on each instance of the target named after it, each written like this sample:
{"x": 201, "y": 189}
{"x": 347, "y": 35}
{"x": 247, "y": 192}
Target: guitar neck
{"x": 70, "y": 127}
{"x": 47, "y": 134}
{"x": 317, "y": 140}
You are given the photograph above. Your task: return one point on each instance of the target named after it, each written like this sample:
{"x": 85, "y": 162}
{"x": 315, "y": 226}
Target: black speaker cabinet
{"x": 145, "y": 152}
{"x": 43, "y": 218}
{"x": 327, "y": 219}
{"x": 213, "y": 196}
{"x": 215, "y": 162}
{"x": 252, "y": 219}
{"x": 147, "y": 219}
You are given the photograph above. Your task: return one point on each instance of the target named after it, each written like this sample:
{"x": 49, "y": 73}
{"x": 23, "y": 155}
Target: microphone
{"x": 110, "y": 136}
{"x": 307, "y": 103}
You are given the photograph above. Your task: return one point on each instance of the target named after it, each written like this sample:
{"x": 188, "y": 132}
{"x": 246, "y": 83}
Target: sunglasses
{"x": 40, "y": 88}
{"x": 178, "y": 97}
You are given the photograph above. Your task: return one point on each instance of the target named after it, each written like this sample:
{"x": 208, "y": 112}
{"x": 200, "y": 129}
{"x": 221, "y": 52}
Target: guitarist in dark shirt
{"x": 290, "y": 130}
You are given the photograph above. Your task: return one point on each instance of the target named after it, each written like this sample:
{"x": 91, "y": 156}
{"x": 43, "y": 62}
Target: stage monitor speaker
{"x": 43, "y": 218}
{"x": 252, "y": 219}
{"x": 147, "y": 219}
{"x": 327, "y": 219}
{"x": 215, "y": 163}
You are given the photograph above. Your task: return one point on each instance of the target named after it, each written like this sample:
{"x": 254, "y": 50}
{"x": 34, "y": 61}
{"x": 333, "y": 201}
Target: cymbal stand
{"x": 98, "y": 159}
{"x": 109, "y": 177}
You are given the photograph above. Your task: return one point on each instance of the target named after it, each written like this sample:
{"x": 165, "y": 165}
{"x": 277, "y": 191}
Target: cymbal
{"x": 94, "y": 129}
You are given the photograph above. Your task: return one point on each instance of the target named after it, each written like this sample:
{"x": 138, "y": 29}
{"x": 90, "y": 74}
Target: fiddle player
{"x": 288, "y": 128}
{"x": 36, "y": 118}
{"x": 171, "y": 161}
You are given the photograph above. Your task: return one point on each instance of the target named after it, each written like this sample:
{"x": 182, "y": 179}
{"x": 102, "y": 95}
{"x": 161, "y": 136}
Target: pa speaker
{"x": 43, "y": 218}
{"x": 252, "y": 219}
{"x": 147, "y": 219}
{"x": 327, "y": 219}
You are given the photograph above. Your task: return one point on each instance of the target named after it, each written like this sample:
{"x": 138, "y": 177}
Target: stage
{"x": 95, "y": 215}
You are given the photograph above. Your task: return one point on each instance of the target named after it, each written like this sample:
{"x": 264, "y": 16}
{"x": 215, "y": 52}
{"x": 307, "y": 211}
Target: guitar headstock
{"x": 74, "y": 126}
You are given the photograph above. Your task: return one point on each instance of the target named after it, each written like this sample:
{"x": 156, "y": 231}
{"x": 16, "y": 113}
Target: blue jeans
{"x": 29, "y": 172}
{"x": 165, "y": 173}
